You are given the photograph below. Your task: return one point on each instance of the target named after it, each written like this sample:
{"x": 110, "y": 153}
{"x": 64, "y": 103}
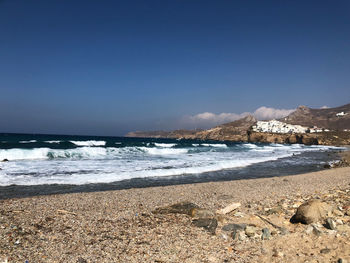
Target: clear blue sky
{"x": 108, "y": 67}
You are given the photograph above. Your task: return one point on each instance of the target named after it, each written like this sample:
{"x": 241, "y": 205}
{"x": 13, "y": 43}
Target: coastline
{"x": 119, "y": 226}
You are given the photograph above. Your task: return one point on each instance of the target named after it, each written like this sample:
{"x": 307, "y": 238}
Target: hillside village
{"x": 275, "y": 126}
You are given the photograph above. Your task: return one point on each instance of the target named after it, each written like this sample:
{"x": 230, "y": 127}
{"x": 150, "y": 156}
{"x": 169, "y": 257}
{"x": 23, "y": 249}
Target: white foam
{"x": 89, "y": 143}
{"x": 165, "y": 151}
{"x": 28, "y": 141}
{"x": 24, "y": 154}
{"x": 250, "y": 145}
{"x": 214, "y": 145}
{"x": 165, "y": 145}
{"x": 52, "y": 141}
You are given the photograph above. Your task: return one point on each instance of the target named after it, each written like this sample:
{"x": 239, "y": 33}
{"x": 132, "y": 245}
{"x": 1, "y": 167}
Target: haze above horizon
{"x": 109, "y": 67}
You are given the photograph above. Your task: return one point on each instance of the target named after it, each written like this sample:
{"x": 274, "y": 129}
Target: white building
{"x": 274, "y": 126}
{"x": 340, "y": 114}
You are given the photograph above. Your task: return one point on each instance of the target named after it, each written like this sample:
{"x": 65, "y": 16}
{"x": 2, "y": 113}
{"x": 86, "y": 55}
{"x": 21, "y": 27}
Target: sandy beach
{"x": 119, "y": 226}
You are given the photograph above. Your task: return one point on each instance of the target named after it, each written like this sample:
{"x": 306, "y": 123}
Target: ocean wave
{"x": 86, "y": 164}
{"x": 84, "y": 152}
{"x": 214, "y": 145}
{"x": 31, "y": 141}
{"x": 47, "y": 153}
{"x": 165, "y": 145}
{"x": 52, "y": 141}
{"x": 124, "y": 171}
{"x": 89, "y": 143}
{"x": 250, "y": 145}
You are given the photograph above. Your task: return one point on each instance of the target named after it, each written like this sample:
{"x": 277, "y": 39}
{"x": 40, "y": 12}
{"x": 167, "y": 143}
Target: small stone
{"x": 339, "y": 222}
{"x": 284, "y": 231}
{"x": 232, "y": 227}
{"x": 238, "y": 234}
{"x": 330, "y": 224}
{"x": 241, "y": 236}
{"x": 250, "y": 231}
{"x": 81, "y": 260}
{"x": 210, "y": 224}
{"x": 278, "y": 254}
{"x": 265, "y": 234}
{"x": 325, "y": 250}
{"x": 340, "y": 260}
{"x": 274, "y": 232}
{"x": 179, "y": 208}
{"x": 201, "y": 213}
{"x": 224, "y": 236}
{"x": 313, "y": 229}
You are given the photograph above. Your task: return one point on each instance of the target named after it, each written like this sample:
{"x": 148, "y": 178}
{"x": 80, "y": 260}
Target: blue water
{"x": 35, "y": 160}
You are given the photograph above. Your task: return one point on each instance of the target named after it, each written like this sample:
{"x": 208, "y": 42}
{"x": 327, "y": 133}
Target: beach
{"x": 120, "y": 226}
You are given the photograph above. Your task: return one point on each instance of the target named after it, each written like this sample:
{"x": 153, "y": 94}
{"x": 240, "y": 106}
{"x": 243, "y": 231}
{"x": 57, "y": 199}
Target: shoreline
{"x": 119, "y": 226}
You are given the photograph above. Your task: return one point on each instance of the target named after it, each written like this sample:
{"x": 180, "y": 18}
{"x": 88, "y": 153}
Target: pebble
{"x": 81, "y": 260}
{"x": 339, "y": 221}
{"x": 232, "y": 227}
{"x": 325, "y": 250}
{"x": 313, "y": 229}
{"x": 265, "y": 234}
{"x": 250, "y": 231}
{"x": 209, "y": 224}
{"x": 330, "y": 224}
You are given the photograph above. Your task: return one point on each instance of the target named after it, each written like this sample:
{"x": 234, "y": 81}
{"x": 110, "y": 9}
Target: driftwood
{"x": 228, "y": 208}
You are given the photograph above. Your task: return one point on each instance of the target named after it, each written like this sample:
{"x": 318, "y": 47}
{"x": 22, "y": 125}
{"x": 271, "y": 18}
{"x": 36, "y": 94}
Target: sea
{"x": 32, "y": 164}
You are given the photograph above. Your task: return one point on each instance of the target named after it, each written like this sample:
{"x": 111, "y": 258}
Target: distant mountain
{"x": 322, "y": 118}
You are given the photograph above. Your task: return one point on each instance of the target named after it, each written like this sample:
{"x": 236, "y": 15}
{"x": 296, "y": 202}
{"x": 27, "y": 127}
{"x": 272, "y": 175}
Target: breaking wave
{"x": 101, "y": 161}
{"x": 89, "y": 143}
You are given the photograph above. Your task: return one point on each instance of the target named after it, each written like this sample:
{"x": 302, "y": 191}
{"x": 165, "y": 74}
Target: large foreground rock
{"x": 311, "y": 211}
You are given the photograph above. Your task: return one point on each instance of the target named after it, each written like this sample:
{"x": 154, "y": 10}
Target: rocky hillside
{"x": 232, "y": 131}
{"x": 337, "y": 120}
{"x": 331, "y": 118}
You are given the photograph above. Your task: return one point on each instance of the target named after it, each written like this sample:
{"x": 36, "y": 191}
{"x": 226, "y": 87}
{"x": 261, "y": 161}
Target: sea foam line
{"x": 89, "y": 143}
